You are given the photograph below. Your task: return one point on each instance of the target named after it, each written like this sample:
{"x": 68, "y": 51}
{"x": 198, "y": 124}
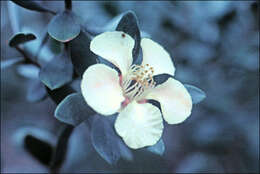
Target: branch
{"x": 26, "y": 57}
{"x": 68, "y": 4}
{"x": 61, "y": 149}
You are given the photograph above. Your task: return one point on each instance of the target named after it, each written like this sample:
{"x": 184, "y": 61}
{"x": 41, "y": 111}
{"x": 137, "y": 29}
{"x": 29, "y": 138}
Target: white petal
{"x": 101, "y": 90}
{"x": 176, "y": 103}
{"x": 157, "y": 57}
{"x": 139, "y": 125}
{"x": 115, "y": 47}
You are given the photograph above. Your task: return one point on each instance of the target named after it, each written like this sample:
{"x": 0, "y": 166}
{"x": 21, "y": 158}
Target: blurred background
{"x": 214, "y": 46}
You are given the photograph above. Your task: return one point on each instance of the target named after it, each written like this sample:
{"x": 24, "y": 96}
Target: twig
{"x": 26, "y": 57}
{"x": 68, "y": 4}
{"x": 61, "y": 149}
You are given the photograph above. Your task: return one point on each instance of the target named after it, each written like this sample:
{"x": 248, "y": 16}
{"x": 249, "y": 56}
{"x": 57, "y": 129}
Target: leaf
{"x": 129, "y": 25}
{"x": 42, "y": 43}
{"x": 158, "y": 148}
{"x": 20, "y": 38}
{"x": 73, "y": 110}
{"x": 36, "y": 92}
{"x": 9, "y": 62}
{"x": 28, "y": 71}
{"x": 32, "y": 5}
{"x": 106, "y": 142}
{"x": 197, "y": 95}
{"x": 81, "y": 56}
{"x": 64, "y": 26}
{"x": 57, "y": 72}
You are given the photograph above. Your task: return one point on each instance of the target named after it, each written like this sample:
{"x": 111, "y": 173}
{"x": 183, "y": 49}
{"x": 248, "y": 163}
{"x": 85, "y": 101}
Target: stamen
{"x": 138, "y": 79}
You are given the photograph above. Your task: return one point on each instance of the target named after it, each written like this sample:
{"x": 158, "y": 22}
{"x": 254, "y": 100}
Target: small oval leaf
{"x": 81, "y": 56}
{"x": 9, "y": 62}
{"x": 158, "y": 148}
{"x": 32, "y": 5}
{"x": 57, "y": 72}
{"x": 28, "y": 71}
{"x": 21, "y": 38}
{"x": 36, "y": 92}
{"x": 64, "y": 26}
{"x": 197, "y": 95}
{"x": 105, "y": 140}
{"x": 73, "y": 110}
{"x": 129, "y": 25}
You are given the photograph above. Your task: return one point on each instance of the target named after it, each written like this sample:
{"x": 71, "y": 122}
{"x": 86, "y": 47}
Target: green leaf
{"x": 73, "y": 110}
{"x": 9, "y": 62}
{"x": 57, "y": 72}
{"x": 20, "y": 38}
{"x": 129, "y": 25}
{"x": 29, "y": 71}
{"x": 32, "y": 5}
{"x": 105, "y": 140}
{"x": 36, "y": 92}
{"x": 197, "y": 95}
{"x": 81, "y": 56}
{"x": 64, "y": 26}
{"x": 158, "y": 148}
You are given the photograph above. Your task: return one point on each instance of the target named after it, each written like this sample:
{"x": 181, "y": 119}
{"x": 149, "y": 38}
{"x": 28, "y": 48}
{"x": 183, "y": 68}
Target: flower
{"x": 139, "y": 123}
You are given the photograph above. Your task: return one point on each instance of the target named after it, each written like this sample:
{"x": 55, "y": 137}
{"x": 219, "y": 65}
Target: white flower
{"x": 139, "y": 123}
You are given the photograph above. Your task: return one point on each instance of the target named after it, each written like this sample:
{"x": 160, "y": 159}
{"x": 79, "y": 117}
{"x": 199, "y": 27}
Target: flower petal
{"x": 176, "y": 103}
{"x": 115, "y": 47}
{"x": 101, "y": 90}
{"x": 139, "y": 125}
{"x": 157, "y": 57}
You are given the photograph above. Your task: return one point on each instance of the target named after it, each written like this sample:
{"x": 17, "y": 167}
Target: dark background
{"x": 214, "y": 46}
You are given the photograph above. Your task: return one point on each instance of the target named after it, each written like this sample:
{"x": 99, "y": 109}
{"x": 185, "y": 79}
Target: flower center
{"x": 138, "y": 79}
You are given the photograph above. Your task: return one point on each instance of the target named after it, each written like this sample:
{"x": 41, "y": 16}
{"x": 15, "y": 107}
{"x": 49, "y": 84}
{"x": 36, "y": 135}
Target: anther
{"x": 138, "y": 79}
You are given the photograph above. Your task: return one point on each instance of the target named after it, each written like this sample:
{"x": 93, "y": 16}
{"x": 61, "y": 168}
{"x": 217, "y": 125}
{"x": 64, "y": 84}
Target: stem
{"x": 61, "y": 149}
{"x": 68, "y": 4}
{"x": 26, "y": 57}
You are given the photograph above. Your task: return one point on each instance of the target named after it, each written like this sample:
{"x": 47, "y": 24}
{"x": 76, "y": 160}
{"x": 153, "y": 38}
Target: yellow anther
{"x": 141, "y": 75}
